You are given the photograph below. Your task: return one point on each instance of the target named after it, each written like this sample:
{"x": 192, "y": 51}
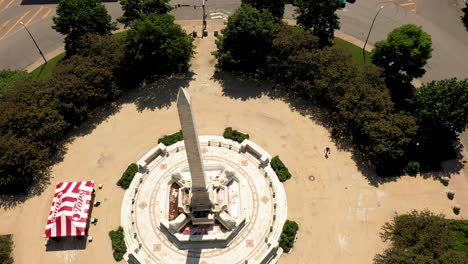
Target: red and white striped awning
{"x": 68, "y": 214}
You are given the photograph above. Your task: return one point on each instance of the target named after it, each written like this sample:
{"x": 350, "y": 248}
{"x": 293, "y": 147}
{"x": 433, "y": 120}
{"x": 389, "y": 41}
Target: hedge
{"x": 171, "y": 139}
{"x": 127, "y": 176}
{"x": 118, "y": 243}
{"x": 280, "y": 169}
{"x": 6, "y": 247}
{"x": 234, "y": 135}
{"x": 288, "y": 235}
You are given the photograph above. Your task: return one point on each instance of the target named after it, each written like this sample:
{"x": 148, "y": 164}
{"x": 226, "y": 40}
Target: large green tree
{"x": 246, "y": 40}
{"x": 157, "y": 46}
{"x": 76, "y": 18}
{"x": 320, "y": 17}
{"x": 6, "y": 248}
{"x": 276, "y": 7}
{"x": 404, "y": 53}
{"x": 135, "y": 9}
{"x": 443, "y": 105}
{"x": 419, "y": 237}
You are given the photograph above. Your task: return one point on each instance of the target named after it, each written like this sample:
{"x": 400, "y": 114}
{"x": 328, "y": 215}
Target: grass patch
{"x": 234, "y": 135}
{"x": 45, "y": 70}
{"x": 121, "y": 35}
{"x": 356, "y": 51}
{"x": 171, "y": 139}
{"x": 280, "y": 169}
{"x": 118, "y": 243}
{"x": 288, "y": 235}
{"x": 127, "y": 176}
{"x": 9, "y": 77}
{"x": 459, "y": 230}
{"x": 6, "y": 247}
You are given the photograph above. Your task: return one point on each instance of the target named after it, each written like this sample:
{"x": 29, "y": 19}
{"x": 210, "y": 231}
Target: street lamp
{"x": 37, "y": 46}
{"x": 372, "y": 25}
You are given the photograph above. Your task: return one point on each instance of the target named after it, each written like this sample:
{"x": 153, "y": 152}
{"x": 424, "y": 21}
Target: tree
{"x": 157, "y": 46}
{"x": 246, "y": 41}
{"x": 418, "y": 237}
{"x": 76, "y": 18}
{"x": 404, "y": 53}
{"x": 320, "y": 17}
{"x": 443, "y": 105}
{"x": 289, "y": 42}
{"x": 21, "y": 162}
{"x": 135, "y": 9}
{"x": 276, "y": 7}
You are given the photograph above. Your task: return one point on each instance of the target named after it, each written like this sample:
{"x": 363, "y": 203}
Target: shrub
{"x": 412, "y": 168}
{"x": 234, "y": 135}
{"x": 288, "y": 235}
{"x": 6, "y": 246}
{"x": 281, "y": 171}
{"x": 168, "y": 140}
{"x": 118, "y": 243}
{"x": 127, "y": 176}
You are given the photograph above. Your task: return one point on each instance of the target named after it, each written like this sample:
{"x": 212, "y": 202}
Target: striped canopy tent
{"x": 68, "y": 215}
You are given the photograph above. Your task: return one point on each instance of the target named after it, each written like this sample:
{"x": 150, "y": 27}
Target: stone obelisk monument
{"x": 200, "y": 196}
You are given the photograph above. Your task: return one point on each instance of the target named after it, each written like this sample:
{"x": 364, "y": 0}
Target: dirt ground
{"x": 339, "y": 212}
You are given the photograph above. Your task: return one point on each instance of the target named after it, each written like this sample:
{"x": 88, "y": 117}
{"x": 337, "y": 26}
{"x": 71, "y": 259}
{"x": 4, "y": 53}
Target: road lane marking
{"x": 16, "y": 23}
{"x": 4, "y": 24}
{"x": 408, "y": 4}
{"x": 8, "y": 5}
{"x": 47, "y": 13}
{"x": 35, "y": 15}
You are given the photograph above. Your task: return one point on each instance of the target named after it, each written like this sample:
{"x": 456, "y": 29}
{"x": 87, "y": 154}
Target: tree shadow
{"x": 241, "y": 86}
{"x": 464, "y": 18}
{"x": 157, "y": 94}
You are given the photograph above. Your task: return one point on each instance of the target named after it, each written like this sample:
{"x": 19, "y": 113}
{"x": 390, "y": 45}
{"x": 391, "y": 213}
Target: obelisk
{"x": 200, "y": 197}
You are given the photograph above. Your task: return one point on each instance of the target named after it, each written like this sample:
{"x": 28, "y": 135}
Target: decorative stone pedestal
{"x": 243, "y": 226}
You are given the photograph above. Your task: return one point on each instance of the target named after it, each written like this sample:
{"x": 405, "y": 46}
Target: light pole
{"x": 372, "y": 25}
{"x": 37, "y": 46}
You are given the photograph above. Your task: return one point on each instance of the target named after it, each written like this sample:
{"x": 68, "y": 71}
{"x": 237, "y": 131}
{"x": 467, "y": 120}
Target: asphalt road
{"x": 440, "y": 18}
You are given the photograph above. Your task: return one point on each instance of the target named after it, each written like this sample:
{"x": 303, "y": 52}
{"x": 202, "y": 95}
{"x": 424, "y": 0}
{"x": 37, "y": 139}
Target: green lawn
{"x": 356, "y": 51}
{"x": 42, "y": 72}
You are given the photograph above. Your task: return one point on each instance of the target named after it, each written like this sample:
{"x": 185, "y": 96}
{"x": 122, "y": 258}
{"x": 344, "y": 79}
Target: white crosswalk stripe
{"x": 217, "y": 14}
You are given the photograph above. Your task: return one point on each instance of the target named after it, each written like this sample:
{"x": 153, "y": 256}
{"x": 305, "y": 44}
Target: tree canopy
{"x": 76, "y": 18}
{"x": 135, "y": 9}
{"x": 156, "y": 45}
{"x": 443, "y": 105}
{"x": 320, "y": 17}
{"x": 404, "y": 53}
{"x": 276, "y": 7}
{"x": 419, "y": 237}
{"x": 246, "y": 40}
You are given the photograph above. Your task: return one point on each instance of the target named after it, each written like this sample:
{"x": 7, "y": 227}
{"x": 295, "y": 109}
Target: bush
{"x": 6, "y": 247}
{"x": 412, "y": 168}
{"x": 118, "y": 243}
{"x": 288, "y": 235}
{"x": 234, "y": 135}
{"x": 127, "y": 176}
{"x": 281, "y": 171}
{"x": 171, "y": 139}
{"x": 9, "y": 77}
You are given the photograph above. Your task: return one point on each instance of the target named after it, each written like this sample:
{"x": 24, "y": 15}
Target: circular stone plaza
{"x": 205, "y": 199}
